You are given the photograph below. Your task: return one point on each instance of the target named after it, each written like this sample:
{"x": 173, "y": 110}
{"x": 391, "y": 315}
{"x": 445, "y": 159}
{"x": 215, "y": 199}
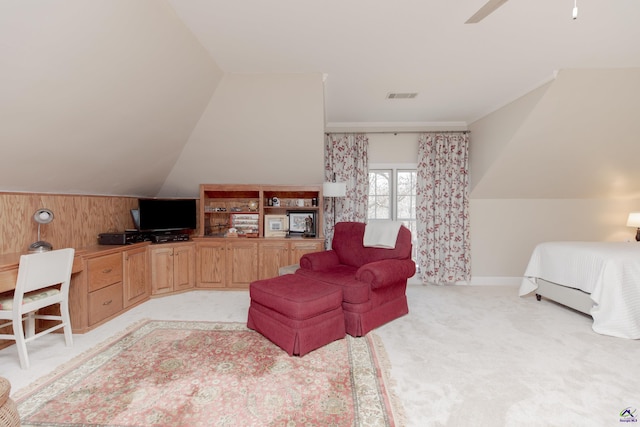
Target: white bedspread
{"x": 610, "y": 272}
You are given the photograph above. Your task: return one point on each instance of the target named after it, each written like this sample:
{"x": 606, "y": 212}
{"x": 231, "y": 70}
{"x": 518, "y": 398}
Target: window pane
{"x": 406, "y": 194}
{"x": 379, "y": 194}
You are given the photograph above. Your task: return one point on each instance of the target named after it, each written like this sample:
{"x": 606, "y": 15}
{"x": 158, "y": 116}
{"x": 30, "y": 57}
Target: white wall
{"x": 393, "y": 148}
{"x": 505, "y": 231}
{"x": 558, "y": 164}
{"x": 257, "y": 128}
{"x": 97, "y": 97}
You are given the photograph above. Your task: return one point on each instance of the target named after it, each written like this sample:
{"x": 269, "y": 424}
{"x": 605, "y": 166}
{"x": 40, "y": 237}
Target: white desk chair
{"x": 37, "y": 287}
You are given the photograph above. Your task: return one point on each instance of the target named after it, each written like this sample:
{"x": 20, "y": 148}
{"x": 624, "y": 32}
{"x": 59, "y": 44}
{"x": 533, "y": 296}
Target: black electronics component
{"x": 123, "y": 238}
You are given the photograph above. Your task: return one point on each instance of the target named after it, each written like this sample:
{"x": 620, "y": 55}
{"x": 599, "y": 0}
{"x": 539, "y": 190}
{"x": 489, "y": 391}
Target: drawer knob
{"x": 107, "y": 270}
{"x": 107, "y": 302}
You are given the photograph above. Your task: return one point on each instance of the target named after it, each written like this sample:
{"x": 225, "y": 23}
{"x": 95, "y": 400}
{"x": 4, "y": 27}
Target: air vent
{"x": 407, "y": 95}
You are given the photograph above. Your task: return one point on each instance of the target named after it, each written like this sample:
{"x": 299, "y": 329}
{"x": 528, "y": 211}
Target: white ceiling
{"x": 368, "y": 48}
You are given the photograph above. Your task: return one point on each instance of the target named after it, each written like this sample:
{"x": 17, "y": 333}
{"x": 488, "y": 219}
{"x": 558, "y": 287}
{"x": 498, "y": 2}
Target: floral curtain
{"x": 443, "y": 207}
{"x": 346, "y": 157}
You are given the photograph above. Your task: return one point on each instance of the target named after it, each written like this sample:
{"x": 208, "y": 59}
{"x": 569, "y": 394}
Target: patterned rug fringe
{"x": 389, "y": 383}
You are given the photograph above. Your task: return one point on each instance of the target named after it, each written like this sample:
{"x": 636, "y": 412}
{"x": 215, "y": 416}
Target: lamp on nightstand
{"x": 634, "y": 221}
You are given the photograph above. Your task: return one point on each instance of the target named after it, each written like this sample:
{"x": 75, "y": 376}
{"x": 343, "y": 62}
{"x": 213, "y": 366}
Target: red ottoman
{"x": 296, "y": 313}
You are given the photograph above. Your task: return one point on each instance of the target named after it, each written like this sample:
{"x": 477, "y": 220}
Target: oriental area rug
{"x": 170, "y": 373}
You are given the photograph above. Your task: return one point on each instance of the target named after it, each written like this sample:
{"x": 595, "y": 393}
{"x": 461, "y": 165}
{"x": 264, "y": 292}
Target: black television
{"x": 166, "y": 214}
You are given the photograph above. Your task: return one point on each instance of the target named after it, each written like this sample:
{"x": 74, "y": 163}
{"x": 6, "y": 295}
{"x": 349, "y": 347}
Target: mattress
{"x": 608, "y": 271}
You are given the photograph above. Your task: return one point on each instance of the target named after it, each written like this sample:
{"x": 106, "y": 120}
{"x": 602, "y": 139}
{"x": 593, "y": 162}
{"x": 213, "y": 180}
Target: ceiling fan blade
{"x": 485, "y": 11}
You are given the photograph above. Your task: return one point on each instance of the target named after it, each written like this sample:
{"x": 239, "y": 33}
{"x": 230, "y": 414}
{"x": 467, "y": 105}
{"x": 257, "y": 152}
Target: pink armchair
{"x": 373, "y": 280}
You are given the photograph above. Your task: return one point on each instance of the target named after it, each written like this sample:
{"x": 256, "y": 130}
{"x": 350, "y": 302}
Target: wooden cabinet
{"x": 233, "y": 263}
{"x": 227, "y": 263}
{"x": 172, "y": 267}
{"x": 211, "y": 263}
{"x": 241, "y": 263}
{"x": 282, "y": 252}
{"x": 273, "y": 255}
{"x": 301, "y": 247}
{"x": 104, "y": 282}
{"x": 135, "y": 278}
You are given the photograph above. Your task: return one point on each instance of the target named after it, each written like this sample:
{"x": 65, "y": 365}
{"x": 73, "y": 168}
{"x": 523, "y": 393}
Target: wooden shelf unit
{"x": 219, "y": 201}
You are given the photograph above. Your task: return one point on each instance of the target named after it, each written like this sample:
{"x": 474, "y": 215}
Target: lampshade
{"x": 41, "y": 216}
{"x": 335, "y": 189}
{"x": 634, "y": 219}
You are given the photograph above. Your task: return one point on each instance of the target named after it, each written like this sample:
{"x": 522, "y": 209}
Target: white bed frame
{"x": 565, "y": 295}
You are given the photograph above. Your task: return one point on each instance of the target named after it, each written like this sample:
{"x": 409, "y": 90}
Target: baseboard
{"x": 496, "y": 281}
{"x": 479, "y": 281}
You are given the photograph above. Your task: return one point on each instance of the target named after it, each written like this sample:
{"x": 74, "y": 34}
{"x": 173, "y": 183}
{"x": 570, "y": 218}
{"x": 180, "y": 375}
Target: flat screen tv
{"x": 166, "y": 214}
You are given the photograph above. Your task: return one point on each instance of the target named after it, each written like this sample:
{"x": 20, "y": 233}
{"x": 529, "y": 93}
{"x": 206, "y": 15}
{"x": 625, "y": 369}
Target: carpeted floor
{"x": 464, "y": 356}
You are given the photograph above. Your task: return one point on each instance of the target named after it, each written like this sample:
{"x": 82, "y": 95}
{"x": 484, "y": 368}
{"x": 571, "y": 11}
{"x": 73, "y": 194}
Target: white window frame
{"x": 395, "y": 167}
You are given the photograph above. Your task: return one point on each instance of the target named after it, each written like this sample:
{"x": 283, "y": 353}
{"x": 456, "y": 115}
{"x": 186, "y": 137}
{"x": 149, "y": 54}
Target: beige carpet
{"x": 464, "y": 356}
{"x": 481, "y": 356}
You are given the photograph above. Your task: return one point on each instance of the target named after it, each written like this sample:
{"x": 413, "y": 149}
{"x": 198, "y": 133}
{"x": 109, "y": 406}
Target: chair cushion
{"x": 343, "y": 276}
{"x": 6, "y": 301}
{"x": 295, "y": 296}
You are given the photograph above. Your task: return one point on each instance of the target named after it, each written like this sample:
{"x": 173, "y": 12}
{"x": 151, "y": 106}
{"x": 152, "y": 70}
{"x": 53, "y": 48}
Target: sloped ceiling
{"x": 98, "y": 97}
{"x": 576, "y": 137}
{"x": 368, "y": 48}
{"x": 102, "y": 96}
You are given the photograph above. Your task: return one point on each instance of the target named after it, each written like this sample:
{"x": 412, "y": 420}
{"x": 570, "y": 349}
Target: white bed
{"x": 600, "y": 279}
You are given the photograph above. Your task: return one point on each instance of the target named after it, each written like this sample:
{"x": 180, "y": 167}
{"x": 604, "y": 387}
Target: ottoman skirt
{"x": 297, "y": 314}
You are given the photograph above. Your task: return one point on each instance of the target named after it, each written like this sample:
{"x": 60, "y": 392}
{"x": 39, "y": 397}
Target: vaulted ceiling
{"x": 368, "y": 48}
{"x": 104, "y": 96}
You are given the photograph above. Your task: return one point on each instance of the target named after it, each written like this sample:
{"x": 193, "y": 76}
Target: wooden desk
{"x": 9, "y": 269}
{"x": 105, "y": 281}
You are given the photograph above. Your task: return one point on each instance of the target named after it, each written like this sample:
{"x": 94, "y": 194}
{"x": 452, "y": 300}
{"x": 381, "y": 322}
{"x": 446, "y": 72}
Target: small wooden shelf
{"x": 219, "y": 202}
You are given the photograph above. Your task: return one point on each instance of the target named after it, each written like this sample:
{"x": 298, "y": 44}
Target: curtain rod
{"x": 404, "y": 131}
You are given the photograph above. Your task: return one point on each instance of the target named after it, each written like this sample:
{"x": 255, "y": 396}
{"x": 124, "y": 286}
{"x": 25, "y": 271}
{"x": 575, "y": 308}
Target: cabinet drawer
{"x": 104, "y": 271}
{"x": 105, "y": 302}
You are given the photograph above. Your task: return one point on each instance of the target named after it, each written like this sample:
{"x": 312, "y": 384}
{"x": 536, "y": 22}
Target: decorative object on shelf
{"x": 634, "y": 221}
{"x": 41, "y": 216}
{"x": 253, "y": 206}
{"x": 276, "y": 202}
{"x": 275, "y": 225}
{"x": 302, "y": 223}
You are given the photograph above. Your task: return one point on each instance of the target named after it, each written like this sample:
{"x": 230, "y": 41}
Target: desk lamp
{"x": 42, "y": 216}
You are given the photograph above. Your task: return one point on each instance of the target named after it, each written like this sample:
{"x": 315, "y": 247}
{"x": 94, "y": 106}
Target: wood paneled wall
{"x": 78, "y": 219}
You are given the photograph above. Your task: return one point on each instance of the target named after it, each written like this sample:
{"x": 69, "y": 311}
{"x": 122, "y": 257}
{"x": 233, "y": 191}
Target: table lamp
{"x": 634, "y": 221}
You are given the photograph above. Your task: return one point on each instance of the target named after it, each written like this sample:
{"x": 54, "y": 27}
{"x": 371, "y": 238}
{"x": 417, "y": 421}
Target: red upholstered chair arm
{"x": 386, "y": 272}
{"x": 319, "y": 260}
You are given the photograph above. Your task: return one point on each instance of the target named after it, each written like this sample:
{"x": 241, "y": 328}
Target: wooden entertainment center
{"x": 108, "y": 280}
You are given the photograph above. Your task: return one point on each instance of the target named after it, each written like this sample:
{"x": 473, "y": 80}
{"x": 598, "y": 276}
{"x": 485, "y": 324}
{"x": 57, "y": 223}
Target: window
{"x": 379, "y": 194}
{"x": 392, "y": 194}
